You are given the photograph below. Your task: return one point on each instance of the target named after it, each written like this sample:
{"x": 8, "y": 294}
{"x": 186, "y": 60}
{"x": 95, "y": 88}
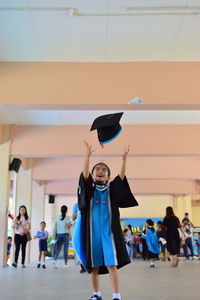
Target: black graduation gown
{"x": 120, "y": 196}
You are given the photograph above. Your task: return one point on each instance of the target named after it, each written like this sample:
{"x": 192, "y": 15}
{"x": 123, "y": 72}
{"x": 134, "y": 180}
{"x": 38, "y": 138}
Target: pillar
{"x": 183, "y": 204}
{"x": 50, "y": 214}
{"x": 24, "y": 193}
{"x": 4, "y": 190}
{"x": 37, "y": 216}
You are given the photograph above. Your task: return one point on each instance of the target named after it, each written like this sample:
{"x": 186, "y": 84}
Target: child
{"x": 42, "y": 235}
{"x": 198, "y": 245}
{"x": 152, "y": 242}
{"x": 98, "y": 238}
{"x": 161, "y": 233}
{"x": 9, "y": 245}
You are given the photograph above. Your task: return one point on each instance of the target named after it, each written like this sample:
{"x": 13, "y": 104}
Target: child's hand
{"x": 88, "y": 148}
{"x": 126, "y": 151}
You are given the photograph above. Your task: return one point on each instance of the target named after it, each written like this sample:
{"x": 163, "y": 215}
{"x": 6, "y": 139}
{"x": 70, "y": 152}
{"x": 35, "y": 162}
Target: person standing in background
{"x": 161, "y": 233}
{"x": 198, "y": 245}
{"x": 21, "y": 225}
{"x": 9, "y": 245}
{"x": 62, "y": 230}
{"x": 172, "y": 223}
{"x": 188, "y": 235}
{"x": 42, "y": 235}
{"x": 152, "y": 242}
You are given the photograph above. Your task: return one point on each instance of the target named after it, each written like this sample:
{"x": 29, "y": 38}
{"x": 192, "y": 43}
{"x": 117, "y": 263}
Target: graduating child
{"x": 42, "y": 235}
{"x": 152, "y": 242}
{"x": 98, "y": 238}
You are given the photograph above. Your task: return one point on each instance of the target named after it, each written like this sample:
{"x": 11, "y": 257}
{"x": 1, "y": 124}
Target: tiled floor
{"x": 138, "y": 282}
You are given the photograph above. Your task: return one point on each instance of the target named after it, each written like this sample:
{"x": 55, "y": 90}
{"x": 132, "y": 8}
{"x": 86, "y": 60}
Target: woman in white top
{"x": 21, "y": 225}
{"x": 62, "y": 230}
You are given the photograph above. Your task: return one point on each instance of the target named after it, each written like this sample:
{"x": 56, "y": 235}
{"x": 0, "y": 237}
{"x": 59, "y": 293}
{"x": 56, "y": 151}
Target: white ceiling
{"x": 53, "y": 35}
{"x": 84, "y": 117}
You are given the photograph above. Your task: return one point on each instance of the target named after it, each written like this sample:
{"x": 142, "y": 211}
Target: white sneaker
{"x": 66, "y": 266}
{"x": 55, "y": 264}
{"x": 151, "y": 265}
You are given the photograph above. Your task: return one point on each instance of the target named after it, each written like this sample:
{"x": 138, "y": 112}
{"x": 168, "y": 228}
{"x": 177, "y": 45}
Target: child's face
{"x": 100, "y": 174}
{"x": 9, "y": 241}
{"x": 147, "y": 225}
{"x": 42, "y": 226}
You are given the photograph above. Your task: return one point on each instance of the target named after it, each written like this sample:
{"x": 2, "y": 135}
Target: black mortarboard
{"x": 108, "y": 127}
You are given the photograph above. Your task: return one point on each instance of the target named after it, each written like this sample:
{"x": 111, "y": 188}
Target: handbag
{"x": 28, "y": 236}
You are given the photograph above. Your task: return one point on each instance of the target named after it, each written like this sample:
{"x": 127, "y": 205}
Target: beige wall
{"x": 149, "y": 206}
{"x": 196, "y": 215}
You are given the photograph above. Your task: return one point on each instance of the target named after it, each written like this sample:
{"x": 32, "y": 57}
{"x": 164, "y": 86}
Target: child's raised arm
{"x": 123, "y": 167}
{"x": 89, "y": 151}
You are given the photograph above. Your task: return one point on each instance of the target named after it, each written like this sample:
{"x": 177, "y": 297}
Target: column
{"x": 37, "y": 216}
{"x": 182, "y": 204}
{"x": 50, "y": 214}
{"x": 4, "y": 190}
{"x": 24, "y": 193}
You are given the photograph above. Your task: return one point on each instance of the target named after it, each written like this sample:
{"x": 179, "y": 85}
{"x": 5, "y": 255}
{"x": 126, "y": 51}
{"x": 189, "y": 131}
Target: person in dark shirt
{"x": 172, "y": 223}
{"x": 161, "y": 233}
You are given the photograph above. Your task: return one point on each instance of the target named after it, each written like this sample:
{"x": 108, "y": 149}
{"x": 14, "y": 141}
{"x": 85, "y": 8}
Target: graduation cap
{"x": 108, "y": 127}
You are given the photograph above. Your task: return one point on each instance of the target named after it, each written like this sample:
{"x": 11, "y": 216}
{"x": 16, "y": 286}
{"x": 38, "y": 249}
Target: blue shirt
{"x": 8, "y": 248}
{"x": 45, "y": 234}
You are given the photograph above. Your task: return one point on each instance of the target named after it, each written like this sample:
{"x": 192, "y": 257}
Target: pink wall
{"x": 165, "y": 158}
{"x": 68, "y": 140}
{"x": 69, "y": 187}
{"x": 108, "y": 83}
{"x": 143, "y": 167}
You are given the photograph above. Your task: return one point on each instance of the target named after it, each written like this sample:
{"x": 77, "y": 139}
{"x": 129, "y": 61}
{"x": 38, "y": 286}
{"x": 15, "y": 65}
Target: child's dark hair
{"x": 64, "y": 209}
{"x": 125, "y": 230}
{"x": 129, "y": 226}
{"x": 159, "y": 222}
{"x": 150, "y": 222}
{"x": 185, "y": 219}
{"x": 101, "y": 164}
{"x": 43, "y": 222}
{"x": 9, "y": 238}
